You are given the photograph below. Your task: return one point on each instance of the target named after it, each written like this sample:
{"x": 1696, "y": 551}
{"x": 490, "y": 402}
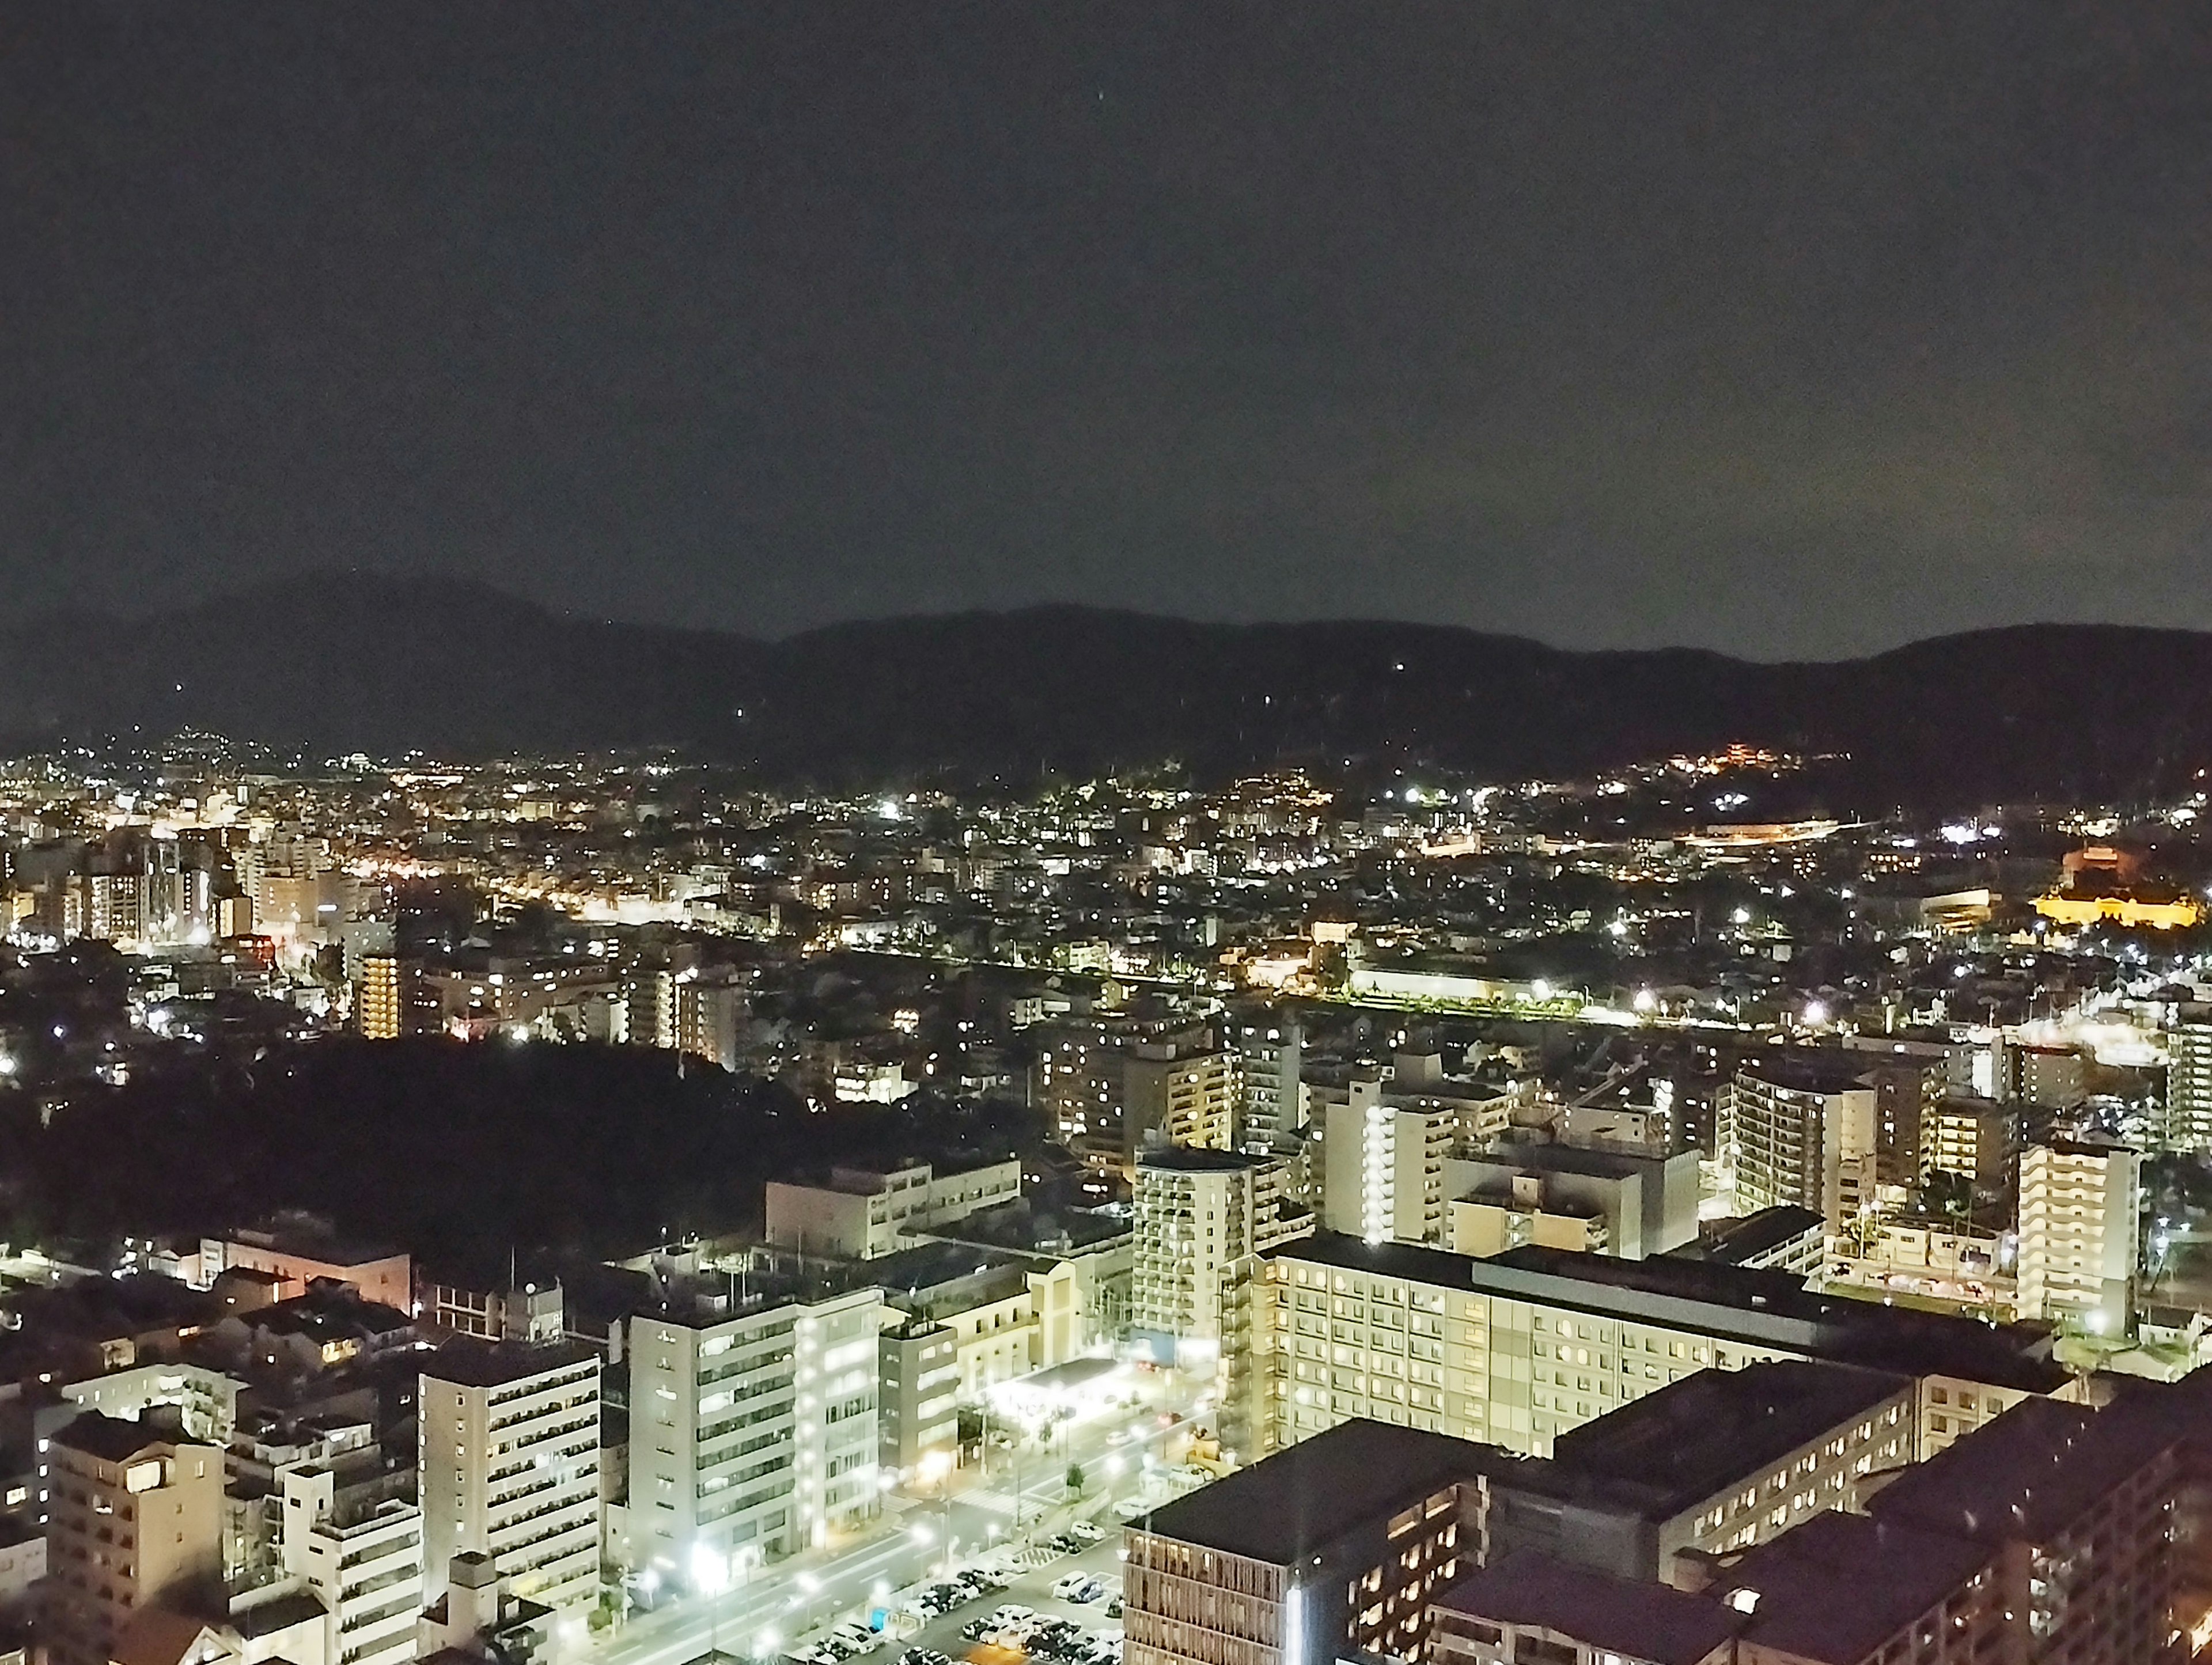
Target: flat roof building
{"x": 1436, "y": 1340}
{"x": 1335, "y": 1544}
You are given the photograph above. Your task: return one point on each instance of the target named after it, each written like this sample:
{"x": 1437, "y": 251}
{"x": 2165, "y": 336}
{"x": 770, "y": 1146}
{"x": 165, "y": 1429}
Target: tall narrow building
{"x": 753, "y": 1422}
{"x": 507, "y": 1466}
{"x": 2080, "y": 1208}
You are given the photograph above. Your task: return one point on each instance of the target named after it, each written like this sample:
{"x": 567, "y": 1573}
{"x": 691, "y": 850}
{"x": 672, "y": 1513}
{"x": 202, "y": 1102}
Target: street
{"x": 778, "y": 1605}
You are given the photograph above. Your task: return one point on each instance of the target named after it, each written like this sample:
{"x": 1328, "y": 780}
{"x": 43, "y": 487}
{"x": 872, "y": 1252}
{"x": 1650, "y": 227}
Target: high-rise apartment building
{"x": 1270, "y": 1063}
{"x": 753, "y": 1423}
{"x": 136, "y": 1520}
{"x": 2079, "y": 1211}
{"x": 1383, "y": 1165}
{"x": 1077, "y": 1082}
{"x": 507, "y": 1466}
{"x": 648, "y": 1009}
{"x": 2189, "y": 1086}
{"x": 366, "y": 1564}
{"x": 1788, "y": 1136}
{"x": 380, "y": 1004}
{"x": 1973, "y": 1139}
{"x": 1203, "y": 1217}
{"x": 1184, "y": 1093}
{"x": 709, "y": 1018}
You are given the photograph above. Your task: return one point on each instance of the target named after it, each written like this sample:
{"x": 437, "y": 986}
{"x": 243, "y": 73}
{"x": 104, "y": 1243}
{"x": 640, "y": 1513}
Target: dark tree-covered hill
{"x": 385, "y": 666}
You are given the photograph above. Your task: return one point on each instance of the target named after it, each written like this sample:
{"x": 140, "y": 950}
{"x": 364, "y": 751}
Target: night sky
{"x": 1786, "y": 329}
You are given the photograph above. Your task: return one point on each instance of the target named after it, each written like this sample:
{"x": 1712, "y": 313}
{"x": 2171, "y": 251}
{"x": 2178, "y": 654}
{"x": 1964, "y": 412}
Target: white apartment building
{"x": 753, "y": 1428}
{"x": 2189, "y": 1087}
{"x": 507, "y": 1466}
{"x": 2080, "y": 1210}
{"x": 1383, "y": 1165}
{"x": 367, "y": 1567}
{"x": 861, "y": 1213}
{"x": 1201, "y": 1217}
{"x": 1520, "y": 1349}
{"x": 1786, "y": 1141}
{"x": 1274, "y": 1095}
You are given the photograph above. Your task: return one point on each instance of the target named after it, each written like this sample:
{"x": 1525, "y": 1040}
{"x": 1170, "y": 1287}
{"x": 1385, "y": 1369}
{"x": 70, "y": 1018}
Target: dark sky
{"x": 1788, "y": 329}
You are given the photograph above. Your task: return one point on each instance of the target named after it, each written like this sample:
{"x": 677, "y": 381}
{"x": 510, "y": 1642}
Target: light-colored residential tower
{"x": 507, "y": 1466}
{"x": 753, "y": 1426}
{"x": 136, "y": 1520}
{"x": 2079, "y": 1207}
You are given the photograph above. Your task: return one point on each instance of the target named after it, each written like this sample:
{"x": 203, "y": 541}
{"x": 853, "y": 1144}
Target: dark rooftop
{"x": 1545, "y": 1156}
{"x": 934, "y": 1279}
{"x": 1838, "y": 1586}
{"x": 110, "y": 1439}
{"x": 1694, "y": 1437}
{"x": 1733, "y": 1242}
{"x": 1194, "y": 1159}
{"x": 2031, "y": 1472}
{"x": 473, "y": 1362}
{"x": 1651, "y": 1621}
{"x": 1311, "y": 1494}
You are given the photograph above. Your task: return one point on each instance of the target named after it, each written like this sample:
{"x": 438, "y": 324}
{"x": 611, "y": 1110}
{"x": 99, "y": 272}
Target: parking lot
{"x": 1091, "y": 1635}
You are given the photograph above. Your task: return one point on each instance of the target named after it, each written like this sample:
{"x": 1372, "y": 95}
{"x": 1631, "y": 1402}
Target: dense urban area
{"x": 602, "y": 1209}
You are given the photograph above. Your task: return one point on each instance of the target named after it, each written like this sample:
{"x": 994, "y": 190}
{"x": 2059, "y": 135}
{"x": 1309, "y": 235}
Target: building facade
{"x": 135, "y": 1521}
{"x": 507, "y": 1466}
{"x": 753, "y": 1431}
{"x": 2079, "y": 1230}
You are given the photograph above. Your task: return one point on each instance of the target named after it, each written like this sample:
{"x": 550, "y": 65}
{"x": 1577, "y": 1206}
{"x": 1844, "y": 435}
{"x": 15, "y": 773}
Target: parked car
{"x": 1088, "y": 1532}
{"x": 1093, "y": 1588}
{"x": 977, "y": 1629}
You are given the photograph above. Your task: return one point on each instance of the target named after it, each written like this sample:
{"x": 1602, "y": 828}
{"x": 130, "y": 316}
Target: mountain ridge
{"x": 343, "y": 663}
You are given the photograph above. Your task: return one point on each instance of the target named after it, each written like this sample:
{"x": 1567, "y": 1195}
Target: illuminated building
{"x": 1383, "y": 1164}
{"x": 507, "y": 1466}
{"x": 708, "y": 1018}
{"x": 2080, "y": 1205}
{"x": 1185, "y": 1091}
{"x": 1314, "y": 1555}
{"x": 2056, "y": 1533}
{"x": 1201, "y": 1218}
{"x": 754, "y": 1426}
{"x": 1972, "y": 1139}
{"x": 1274, "y": 1098}
{"x": 380, "y": 1007}
{"x": 2189, "y": 1086}
{"x": 363, "y": 1560}
{"x": 857, "y": 1213}
{"x": 1604, "y": 1198}
{"x": 1520, "y": 1348}
{"x": 136, "y": 1522}
{"x": 2100, "y": 885}
{"x": 918, "y": 1388}
{"x": 1788, "y": 1136}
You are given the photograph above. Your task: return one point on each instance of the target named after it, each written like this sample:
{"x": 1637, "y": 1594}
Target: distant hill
{"x": 383, "y": 665}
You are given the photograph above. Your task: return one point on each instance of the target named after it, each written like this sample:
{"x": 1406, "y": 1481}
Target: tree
{"x": 1075, "y": 1478}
